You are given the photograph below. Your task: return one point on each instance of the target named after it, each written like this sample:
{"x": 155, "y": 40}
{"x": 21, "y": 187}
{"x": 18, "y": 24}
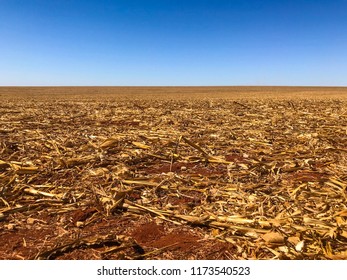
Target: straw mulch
{"x": 175, "y": 176}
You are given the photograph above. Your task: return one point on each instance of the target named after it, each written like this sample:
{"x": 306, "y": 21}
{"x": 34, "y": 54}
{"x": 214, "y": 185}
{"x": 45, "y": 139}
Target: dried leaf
{"x": 300, "y": 245}
{"x": 108, "y": 143}
{"x": 273, "y": 237}
{"x": 140, "y": 145}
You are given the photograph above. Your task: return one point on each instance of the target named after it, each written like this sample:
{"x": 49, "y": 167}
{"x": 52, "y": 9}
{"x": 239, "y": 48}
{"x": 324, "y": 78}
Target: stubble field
{"x": 173, "y": 173}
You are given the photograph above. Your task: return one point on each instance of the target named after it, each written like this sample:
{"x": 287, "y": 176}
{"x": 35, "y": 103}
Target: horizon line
{"x": 173, "y": 86}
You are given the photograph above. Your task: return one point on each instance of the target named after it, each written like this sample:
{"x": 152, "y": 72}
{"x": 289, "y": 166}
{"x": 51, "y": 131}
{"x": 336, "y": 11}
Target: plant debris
{"x": 173, "y": 173}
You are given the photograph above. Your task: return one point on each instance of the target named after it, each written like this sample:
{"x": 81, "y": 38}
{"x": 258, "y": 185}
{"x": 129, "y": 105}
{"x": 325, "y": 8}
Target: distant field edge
{"x": 180, "y": 91}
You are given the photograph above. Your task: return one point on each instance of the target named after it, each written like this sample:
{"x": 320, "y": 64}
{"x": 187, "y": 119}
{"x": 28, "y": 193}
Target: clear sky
{"x": 173, "y": 42}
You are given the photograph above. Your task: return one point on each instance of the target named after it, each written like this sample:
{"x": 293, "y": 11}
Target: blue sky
{"x": 173, "y": 42}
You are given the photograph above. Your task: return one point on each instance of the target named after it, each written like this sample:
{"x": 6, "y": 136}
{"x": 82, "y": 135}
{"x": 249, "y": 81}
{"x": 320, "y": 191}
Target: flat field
{"x": 173, "y": 173}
